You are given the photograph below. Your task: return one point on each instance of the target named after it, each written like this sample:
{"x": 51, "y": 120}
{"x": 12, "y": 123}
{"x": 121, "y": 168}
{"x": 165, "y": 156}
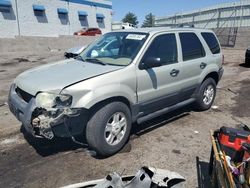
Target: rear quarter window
{"x": 212, "y": 42}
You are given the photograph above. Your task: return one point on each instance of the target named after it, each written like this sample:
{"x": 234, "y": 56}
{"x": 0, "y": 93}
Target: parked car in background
{"x": 127, "y": 26}
{"x": 247, "y": 56}
{"x": 88, "y": 32}
{"x": 121, "y": 25}
{"x": 73, "y": 52}
{"x": 123, "y": 77}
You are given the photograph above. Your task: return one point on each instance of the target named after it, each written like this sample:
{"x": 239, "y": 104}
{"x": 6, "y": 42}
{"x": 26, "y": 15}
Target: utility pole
{"x": 17, "y": 19}
{"x": 68, "y": 18}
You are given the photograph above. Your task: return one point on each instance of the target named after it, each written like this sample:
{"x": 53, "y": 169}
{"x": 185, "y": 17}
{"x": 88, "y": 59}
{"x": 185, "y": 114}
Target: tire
{"x": 109, "y": 122}
{"x": 247, "y": 62}
{"x": 204, "y": 100}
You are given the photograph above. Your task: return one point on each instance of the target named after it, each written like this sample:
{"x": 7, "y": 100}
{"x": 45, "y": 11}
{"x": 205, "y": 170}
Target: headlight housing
{"x": 51, "y": 100}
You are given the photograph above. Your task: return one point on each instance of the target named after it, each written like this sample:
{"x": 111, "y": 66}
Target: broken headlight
{"x": 50, "y": 100}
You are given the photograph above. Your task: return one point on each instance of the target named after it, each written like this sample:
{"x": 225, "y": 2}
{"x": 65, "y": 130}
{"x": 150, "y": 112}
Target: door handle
{"x": 174, "y": 72}
{"x": 203, "y": 65}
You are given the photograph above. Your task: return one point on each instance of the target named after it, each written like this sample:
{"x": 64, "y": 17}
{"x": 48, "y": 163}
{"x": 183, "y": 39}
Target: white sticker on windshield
{"x": 135, "y": 37}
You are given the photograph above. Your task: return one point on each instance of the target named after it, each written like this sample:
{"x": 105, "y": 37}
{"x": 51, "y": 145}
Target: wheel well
{"x": 109, "y": 100}
{"x": 213, "y": 75}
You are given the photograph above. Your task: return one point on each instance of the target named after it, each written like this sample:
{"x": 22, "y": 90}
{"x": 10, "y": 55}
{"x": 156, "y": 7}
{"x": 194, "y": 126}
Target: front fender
{"x": 105, "y": 92}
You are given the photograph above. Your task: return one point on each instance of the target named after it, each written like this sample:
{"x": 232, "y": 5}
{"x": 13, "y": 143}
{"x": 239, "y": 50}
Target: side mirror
{"x": 150, "y": 62}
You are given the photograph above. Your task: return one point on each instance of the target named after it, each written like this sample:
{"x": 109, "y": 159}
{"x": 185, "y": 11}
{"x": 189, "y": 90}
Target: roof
{"x": 153, "y": 30}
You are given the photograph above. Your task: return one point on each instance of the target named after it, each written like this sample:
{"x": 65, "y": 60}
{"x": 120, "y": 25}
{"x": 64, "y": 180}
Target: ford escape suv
{"x": 99, "y": 94}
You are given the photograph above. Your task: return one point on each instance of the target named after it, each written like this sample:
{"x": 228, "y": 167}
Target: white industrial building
{"x": 224, "y": 15}
{"x": 52, "y": 17}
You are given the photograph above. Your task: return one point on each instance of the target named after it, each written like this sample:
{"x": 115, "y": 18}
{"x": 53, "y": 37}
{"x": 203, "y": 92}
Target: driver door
{"x": 160, "y": 87}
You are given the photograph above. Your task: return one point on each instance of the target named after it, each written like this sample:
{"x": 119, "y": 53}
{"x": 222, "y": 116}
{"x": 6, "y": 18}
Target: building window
{"x": 100, "y": 18}
{"x": 62, "y": 13}
{"x": 82, "y": 15}
{"x": 39, "y": 10}
{"x": 5, "y": 6}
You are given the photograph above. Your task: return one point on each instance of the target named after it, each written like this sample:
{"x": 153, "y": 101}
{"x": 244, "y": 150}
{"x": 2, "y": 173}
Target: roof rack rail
{"x": 186, "y": 25}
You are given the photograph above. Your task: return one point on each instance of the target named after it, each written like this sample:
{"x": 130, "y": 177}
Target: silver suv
{"x": 142, "y": 74}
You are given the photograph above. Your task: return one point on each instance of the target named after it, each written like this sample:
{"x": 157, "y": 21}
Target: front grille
{"x": 24, "y": 95}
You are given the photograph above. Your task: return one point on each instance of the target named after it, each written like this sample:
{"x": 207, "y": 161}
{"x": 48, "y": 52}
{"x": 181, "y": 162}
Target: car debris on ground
{"x": 146, "y": 177}
{"x": 3, "y": 104}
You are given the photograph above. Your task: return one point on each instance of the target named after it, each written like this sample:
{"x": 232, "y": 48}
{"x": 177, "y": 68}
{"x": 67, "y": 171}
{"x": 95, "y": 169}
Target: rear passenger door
{"x": 159, "y": 87}
{"x": 193, "y": 60}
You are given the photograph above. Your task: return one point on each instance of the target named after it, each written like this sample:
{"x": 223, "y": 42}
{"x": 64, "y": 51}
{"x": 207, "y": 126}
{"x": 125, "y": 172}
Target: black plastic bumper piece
{"x": 221, "y": 71}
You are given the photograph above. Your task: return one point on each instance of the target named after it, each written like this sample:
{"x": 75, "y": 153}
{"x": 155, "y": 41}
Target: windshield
{"x": 116, "y": 48}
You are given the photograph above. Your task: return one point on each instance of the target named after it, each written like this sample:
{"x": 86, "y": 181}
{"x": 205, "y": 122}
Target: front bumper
{"x": 21, "y": 109}
{"x": 46, "y": 123}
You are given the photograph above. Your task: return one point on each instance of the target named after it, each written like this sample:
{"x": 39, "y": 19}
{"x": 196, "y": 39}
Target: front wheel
{"x": 206, "y": 94}
{"x": 109, "y": 128}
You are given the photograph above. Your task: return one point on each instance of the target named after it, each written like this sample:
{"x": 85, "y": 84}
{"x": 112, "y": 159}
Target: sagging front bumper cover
{"x": 41, "y": 122}
{"x": 220, "y": 72}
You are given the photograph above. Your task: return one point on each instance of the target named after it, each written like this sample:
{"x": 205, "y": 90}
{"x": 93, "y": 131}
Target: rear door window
{"x": 212, "y": 42}
{"x": 191, "y": 46}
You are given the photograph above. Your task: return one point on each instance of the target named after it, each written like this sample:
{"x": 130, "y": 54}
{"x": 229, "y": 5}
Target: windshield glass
{"x": 116, "y": 48}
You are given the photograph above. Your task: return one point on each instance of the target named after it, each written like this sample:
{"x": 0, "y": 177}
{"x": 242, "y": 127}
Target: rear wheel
{"x": 206, "y": 94}
{"x": 109, "y": 128}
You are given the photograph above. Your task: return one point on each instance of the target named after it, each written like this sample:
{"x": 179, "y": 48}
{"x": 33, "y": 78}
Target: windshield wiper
{"x": 94, "y": 60}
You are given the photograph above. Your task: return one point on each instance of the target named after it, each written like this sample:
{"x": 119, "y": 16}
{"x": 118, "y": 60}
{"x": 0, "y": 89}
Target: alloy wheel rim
{"x": 115, "y": 128}
{"x": 208, "y": 95}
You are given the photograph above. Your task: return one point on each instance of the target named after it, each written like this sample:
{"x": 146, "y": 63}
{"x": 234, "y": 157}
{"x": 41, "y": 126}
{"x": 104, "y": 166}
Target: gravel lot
{"x": 177, "y": 141}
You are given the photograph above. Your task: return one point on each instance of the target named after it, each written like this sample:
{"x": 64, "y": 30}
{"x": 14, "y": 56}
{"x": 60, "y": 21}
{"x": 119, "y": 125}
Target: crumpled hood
{"x": 54, "y": 77}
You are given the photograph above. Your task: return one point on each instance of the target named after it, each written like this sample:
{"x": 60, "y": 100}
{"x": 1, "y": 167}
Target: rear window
{"x": 191, "y": 46}
{"x": 212, "y": 42}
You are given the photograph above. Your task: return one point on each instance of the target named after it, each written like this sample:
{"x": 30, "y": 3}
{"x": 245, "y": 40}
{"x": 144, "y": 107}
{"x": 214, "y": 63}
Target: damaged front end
{"x": 43, "y": 120}
{"x": 45, "y": 115}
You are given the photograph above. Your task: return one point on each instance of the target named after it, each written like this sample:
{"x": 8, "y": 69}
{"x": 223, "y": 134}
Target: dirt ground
{"x": 178, "y": 141}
